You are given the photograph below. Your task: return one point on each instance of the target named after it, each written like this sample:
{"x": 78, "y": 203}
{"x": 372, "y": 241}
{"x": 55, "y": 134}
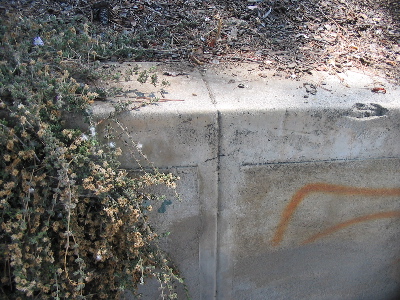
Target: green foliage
{"x": 74, "y": 225}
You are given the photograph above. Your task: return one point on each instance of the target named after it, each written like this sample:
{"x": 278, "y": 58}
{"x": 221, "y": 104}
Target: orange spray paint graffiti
{"x": 371, "y": 217}
{"x": 332, "y": 189}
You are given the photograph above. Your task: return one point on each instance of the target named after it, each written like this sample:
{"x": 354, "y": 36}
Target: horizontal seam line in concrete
{"x": 317, "y": 161}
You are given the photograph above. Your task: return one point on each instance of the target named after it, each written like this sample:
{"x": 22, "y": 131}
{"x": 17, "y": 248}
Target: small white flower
{"x": 31, "y": 190}
{"x": 99, "y": 257}
{"x": 84, "y": 137}
{"x": 37, "y": 41}
{"x": 20, "y": 106}
{"x": 252, "y": 7}
{"x": 92, "y": 131}
{"x": 112, "y": 145}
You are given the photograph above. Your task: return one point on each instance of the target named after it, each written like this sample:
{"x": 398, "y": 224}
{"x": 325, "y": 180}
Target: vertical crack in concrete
{"x": 219, "y": 193}
{"x": 210, "y": 92}
{"x": 218, "y": 204}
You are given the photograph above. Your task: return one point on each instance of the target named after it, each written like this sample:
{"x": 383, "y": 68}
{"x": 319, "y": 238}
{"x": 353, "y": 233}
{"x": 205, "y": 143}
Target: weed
{"x": 74, "y": 225}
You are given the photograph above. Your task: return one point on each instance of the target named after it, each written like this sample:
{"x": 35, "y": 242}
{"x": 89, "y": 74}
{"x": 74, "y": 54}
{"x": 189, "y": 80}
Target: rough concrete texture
{"x": 290, "y": 188}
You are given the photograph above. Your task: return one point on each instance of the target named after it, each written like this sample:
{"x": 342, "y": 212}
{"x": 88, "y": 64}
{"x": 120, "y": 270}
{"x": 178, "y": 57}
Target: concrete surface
{"x": 290, "y": 188}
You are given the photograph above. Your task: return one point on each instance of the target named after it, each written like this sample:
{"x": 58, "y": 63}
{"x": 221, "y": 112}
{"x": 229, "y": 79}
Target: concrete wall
{"x": 284, "y": 196}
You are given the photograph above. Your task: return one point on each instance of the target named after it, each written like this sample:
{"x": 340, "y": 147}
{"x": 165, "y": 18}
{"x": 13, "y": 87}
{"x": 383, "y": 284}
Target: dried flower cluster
{"x": 73, "y": 224}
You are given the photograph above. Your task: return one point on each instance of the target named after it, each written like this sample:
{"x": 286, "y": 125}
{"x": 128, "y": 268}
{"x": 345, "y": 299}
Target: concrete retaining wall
{"x": 286, "y": 194}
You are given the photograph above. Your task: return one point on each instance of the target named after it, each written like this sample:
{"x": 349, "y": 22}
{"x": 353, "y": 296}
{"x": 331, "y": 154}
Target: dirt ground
{"x": 292, "y": 37}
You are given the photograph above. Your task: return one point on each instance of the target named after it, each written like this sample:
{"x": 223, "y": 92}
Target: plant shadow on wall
{"x": 74, "y": 225}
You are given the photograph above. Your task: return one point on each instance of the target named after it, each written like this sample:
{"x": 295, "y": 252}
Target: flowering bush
{"x": 74, "y": 225}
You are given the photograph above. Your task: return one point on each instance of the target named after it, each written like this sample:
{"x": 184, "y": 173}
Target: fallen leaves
{"x": 298, "y": 36}
{"x": 380, "y": 90}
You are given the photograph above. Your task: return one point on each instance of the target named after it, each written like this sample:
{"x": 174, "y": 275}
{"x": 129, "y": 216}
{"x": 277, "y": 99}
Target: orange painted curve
{"x": 340, "y": 226}
{"x": 311, "y": 188}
